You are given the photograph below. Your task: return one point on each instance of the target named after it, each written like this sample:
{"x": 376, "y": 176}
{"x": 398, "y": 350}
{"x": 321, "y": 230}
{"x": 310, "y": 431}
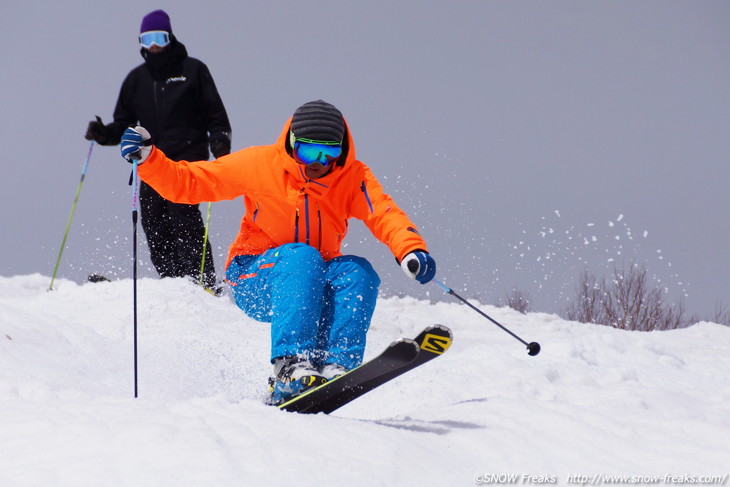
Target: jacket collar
{"x": 314, "y": 186}
{"x": 167, "y": 62}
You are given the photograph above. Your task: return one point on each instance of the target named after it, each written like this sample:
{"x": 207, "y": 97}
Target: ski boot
{"x": 332, "y": 371}
{"x": 293, "y": 375}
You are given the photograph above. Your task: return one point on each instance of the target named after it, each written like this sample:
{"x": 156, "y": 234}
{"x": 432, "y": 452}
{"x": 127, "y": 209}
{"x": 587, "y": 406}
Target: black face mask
{"x": 161, "y": 63}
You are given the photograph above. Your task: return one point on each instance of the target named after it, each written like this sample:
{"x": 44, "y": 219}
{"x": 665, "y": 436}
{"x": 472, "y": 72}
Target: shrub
{"x": 519, "y": 301}
{"x": 626, "y": 301}
{"x": 721, "y": 315}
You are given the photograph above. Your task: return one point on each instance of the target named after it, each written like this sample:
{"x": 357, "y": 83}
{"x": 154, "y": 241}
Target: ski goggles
{"x": 158, "y": 38}
{"x": 307, "y": 151}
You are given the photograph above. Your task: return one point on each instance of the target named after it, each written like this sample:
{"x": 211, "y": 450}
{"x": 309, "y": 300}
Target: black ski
{"x": 432, "y": 342}
{"x": 400, "y": 357}
{"x": 98, "y": 278}
{"x": 398, "y": 354}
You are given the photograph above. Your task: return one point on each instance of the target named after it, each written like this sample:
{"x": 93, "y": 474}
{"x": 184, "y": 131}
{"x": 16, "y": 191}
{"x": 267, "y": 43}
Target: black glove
{"x": 97, "y": 132}
{"x": 220, "y": 144}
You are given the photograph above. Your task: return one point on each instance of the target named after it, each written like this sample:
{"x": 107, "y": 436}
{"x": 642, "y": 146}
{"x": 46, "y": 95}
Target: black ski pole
{"x": 533, "y": 348}
{"x": 135, "y": 189}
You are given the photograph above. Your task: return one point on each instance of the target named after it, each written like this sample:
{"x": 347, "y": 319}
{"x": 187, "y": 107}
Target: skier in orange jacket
{"x": 285, "y": 266}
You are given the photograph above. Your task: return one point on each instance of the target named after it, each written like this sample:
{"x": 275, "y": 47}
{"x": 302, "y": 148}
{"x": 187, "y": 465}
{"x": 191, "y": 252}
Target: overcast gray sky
{"x": 528, "y": 140}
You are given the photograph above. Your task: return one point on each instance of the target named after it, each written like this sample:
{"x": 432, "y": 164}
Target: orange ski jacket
{"x": 282, "y": 205}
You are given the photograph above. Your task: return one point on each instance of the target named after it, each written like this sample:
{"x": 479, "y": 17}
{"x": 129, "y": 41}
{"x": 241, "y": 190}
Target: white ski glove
{"x": 419, "y": 265}
{"x": 136, "y": 144}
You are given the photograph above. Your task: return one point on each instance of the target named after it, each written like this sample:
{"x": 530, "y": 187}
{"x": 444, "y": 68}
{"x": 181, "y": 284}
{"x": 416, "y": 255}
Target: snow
{"x": 595, "y": 402}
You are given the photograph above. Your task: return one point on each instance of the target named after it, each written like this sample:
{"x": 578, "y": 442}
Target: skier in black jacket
{"x": 175, "y": 98}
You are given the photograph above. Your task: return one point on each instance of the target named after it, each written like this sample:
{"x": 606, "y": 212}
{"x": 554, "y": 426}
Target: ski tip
{"x": 403, "y": 350}
{"x": 405, "y": 344}
{"x": 435, "y": 339}
{"x": 445, "y": 330}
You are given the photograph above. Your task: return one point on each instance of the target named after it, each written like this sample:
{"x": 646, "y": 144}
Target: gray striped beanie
{"x": 318, "y": 120}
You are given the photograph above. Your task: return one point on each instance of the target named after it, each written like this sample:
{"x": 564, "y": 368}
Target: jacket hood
{"x": 345, "y": 162}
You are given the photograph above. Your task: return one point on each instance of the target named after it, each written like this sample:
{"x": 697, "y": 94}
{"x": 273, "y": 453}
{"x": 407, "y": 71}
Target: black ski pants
{"x": 175, "y": 234}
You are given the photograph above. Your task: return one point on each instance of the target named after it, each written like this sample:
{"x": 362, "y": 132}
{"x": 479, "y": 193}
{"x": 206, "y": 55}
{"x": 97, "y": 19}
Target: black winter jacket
{"x": 175, "y": 98}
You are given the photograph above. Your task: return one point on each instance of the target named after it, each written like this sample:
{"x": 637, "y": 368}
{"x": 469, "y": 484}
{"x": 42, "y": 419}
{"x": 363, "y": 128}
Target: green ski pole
{"x": 71, "y": 216}
{"x": 205, "y": 243}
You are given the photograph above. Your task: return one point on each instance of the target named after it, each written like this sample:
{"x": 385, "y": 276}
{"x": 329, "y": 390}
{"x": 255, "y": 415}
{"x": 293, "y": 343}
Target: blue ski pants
{"x": 317, "y": 309}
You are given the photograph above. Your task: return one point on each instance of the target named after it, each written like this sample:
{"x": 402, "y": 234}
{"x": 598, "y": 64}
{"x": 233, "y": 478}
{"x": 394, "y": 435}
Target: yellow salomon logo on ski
{"x": 435, "y": 343}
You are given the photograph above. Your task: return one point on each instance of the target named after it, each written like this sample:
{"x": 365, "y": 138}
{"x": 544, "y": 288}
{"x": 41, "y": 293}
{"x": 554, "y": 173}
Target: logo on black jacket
{"x": 176, "y": 79}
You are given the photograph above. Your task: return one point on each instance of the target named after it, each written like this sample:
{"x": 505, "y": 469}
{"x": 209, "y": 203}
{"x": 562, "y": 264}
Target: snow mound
{"x": 595, "y": 401}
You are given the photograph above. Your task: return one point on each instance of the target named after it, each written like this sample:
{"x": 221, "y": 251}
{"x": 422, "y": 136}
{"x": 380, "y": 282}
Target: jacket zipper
{"x": 158, "y": 110}
{"x": 307, "y": 225}
{"x": 364, "y": 189}
{"x": 306, "y": 219}
{"x": 319, "y": 230}
{"x": 296, "y": 227}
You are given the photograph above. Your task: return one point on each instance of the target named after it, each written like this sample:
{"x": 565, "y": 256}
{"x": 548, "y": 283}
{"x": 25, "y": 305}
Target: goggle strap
{"x": 293, "y": 139}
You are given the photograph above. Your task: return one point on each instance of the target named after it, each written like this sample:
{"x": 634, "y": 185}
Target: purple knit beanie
{"x": 157, "y": 20}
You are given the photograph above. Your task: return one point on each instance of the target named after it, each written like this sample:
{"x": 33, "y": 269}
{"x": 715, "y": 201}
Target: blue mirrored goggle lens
{"x": 154, "y": 38}
{"x": 308, "y": 153}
